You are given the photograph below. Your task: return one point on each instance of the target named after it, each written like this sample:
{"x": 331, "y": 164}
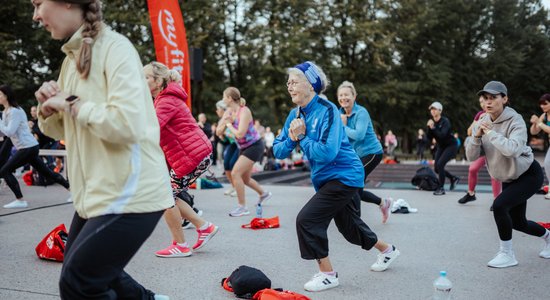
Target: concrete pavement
{"x": 443, "y": 235}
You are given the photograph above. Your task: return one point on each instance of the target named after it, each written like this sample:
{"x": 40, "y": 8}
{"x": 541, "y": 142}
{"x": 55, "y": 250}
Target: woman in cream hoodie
{"x": 101, "y": 107}
{"x": 502, "y": 134}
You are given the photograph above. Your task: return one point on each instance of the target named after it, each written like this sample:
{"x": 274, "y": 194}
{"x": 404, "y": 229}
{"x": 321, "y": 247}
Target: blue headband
{"x": 312, "y": 76}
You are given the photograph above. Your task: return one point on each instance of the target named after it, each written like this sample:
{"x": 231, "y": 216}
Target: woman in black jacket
{"x": 439, "y": 128}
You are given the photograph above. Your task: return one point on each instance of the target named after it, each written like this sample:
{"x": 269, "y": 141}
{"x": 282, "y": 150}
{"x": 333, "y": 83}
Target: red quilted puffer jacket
{"x": 184, "y": 144}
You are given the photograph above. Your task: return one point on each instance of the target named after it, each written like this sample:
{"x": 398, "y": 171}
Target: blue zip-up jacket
{"x": 361, "y": 132}
{"x": 326, "y": 145}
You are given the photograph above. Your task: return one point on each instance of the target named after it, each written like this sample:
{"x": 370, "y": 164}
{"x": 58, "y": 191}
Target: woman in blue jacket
{"x": 336, "y": 173}
{"x": 361, "y": 135}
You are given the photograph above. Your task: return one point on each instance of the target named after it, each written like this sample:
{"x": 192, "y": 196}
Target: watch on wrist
{"x": 301, "y": 136}
{"x": 71, "y": 98}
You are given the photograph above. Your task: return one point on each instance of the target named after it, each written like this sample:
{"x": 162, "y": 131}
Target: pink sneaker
{"x": 385, "y": 207}
{"x": 205, "y": 236}
{"x": 174, "y": 250}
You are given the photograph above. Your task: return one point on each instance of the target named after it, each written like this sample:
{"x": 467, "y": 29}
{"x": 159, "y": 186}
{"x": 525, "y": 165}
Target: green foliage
{"x": 400, "y": 54}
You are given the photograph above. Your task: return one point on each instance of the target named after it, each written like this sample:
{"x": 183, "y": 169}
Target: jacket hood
{"x": 175, "y": 90}
{"x": 506, "y": 115}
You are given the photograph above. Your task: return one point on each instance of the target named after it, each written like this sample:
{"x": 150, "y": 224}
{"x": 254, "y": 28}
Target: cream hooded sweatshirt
{"x": 505, "y": 146}
{"x": 115, "y": 164}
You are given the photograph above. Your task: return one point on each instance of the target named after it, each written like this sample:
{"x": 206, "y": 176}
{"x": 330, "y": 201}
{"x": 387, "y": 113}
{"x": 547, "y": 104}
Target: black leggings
{"x": 370, "y": 162}
{"x": 510, "y": 206}
{"x": 442, "y": 156}
{"x": 334, "y": 200}
{"x": 97, "y": 251}
{"x": 22, "y": 157}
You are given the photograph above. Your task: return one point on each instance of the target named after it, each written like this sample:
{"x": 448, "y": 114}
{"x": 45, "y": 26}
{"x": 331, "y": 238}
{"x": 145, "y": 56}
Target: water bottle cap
{"x": 443, "y": 273}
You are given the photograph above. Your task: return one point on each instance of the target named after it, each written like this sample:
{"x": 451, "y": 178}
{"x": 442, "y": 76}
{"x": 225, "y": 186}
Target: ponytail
{"x": 173, "y": 76}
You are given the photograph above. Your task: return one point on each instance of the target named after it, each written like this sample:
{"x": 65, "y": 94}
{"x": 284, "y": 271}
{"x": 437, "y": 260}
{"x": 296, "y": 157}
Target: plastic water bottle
{"x": 442, "y": 287}
{"x": 198, "y": 183}
{"x": 259, "y": 210}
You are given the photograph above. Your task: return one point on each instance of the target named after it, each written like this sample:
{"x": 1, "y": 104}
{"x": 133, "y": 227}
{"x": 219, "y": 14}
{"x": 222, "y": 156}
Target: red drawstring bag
{"x": 263, "y": 223}
{"x": 278, "y": 294}
{"x": 52, "y": 245}
{"x": 27, "y": 178}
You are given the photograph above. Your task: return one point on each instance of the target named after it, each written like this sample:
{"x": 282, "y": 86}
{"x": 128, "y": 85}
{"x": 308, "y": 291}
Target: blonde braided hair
{"x": 92, "y": 25}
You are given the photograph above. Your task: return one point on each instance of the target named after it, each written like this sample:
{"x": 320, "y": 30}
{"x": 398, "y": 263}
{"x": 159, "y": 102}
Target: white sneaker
{"x": 547, "y": 196}
{"x": 503, "y": 260}
{"x": 384, "y": 260}
{"x": 229, "y": 191}
{"x": 161, "y": 297}
{"x": 17, "y": 204}
{"x": 321, "y": 281}
{"x": 263, "y": 198}
{"x": 545, "y": 253}
{"x": 233, "y": 193}
{"x": 385, "y": 207}
{"x": 239, "y": 211}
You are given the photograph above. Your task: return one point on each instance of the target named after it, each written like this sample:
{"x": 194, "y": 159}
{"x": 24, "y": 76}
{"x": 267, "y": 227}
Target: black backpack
{"x": 425, "y": 179}
{"x": 245, "y": 281}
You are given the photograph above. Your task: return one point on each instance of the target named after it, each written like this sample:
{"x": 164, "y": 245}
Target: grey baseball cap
{"x": 494, "y": 88}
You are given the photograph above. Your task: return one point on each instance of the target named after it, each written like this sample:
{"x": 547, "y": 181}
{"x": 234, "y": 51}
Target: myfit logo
{"x": 167, "y": 27}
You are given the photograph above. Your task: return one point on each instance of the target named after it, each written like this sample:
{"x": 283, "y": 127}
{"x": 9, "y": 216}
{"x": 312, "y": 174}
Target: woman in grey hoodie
{"x": 502, "y": 134}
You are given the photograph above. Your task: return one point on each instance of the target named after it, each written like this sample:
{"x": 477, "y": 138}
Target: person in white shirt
{"x": 14, "y": 124}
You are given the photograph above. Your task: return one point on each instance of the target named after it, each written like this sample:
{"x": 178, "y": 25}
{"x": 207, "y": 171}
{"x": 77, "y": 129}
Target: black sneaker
{"x": 439, "y": 191}
{"x": 186, "y": 224}
{"x": 467, "y": 198}
{"x": 454, "y": 182}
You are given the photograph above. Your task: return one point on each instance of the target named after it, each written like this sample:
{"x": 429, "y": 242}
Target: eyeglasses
{"x": 292, "y": 83}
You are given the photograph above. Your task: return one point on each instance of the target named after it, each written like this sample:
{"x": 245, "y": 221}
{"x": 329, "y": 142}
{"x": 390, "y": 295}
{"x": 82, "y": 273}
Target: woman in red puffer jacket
{"x": 187, "y": 151}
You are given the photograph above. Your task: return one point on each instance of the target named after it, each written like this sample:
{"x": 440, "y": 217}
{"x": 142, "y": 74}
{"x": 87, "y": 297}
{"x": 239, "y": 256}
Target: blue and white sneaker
{"x": 384, "y": 260}
{"x": 321, "y": 281}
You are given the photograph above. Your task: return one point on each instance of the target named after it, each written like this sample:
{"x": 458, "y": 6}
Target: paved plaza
{"x": 442, "y": 235}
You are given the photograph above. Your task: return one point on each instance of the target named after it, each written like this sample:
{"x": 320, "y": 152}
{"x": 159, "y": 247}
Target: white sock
{"x": 506, "y": 246}
{"x": 388, "y": 250}
{"x": 205, "y": 226}
{"x": 183, "y": 245}
{"x": 332, "y": 273}
{"x": 546, "y": 236}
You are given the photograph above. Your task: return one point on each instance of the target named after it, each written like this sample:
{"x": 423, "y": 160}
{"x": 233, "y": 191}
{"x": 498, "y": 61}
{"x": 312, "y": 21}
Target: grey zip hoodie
{"x": 505, "y": 146}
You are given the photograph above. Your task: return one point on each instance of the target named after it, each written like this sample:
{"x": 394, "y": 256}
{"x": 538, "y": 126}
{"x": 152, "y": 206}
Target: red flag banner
{"x": 170, "y": 40}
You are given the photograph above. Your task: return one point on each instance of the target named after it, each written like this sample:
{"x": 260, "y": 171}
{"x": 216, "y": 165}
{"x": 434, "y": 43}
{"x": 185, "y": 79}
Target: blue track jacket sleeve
{"x": 326, "y": 148}
{"x": 361, "y": 124}
{"x": 283, "y": 145}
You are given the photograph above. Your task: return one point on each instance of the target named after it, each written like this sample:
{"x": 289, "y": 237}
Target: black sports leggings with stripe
{"x": 370, "y": 162}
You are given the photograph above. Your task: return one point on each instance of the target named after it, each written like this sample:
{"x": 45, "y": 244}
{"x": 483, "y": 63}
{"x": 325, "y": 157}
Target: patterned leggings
{"x": 183, "y": 183}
